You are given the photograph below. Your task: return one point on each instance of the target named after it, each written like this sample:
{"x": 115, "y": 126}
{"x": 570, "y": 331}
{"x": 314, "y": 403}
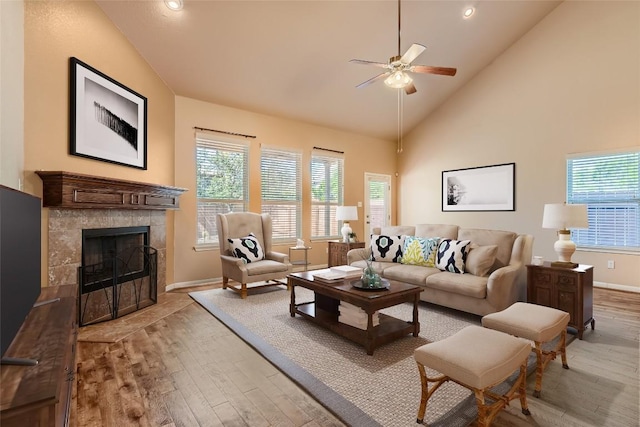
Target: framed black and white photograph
{"x": 483, "y": 188}
{"x": 108, "y": 120}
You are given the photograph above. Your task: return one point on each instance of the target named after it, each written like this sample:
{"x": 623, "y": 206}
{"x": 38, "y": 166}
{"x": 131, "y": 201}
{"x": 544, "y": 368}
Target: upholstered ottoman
{"x": 537, "y": 323}
{"x": 478, "y": 359}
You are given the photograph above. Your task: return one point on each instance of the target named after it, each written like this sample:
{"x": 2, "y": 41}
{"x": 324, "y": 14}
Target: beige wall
{"x": 362, "y": 154}
{"x": 55, "y": 31}
{"x": 11, "y": 93}
{"x": 570, "y": 85}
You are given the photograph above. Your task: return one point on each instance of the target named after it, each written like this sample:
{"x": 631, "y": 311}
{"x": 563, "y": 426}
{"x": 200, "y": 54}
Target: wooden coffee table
{"x": 324, "y": 308}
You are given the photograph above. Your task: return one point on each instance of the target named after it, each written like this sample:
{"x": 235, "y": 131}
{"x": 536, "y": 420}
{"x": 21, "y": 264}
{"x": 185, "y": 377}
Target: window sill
{"x": 206, "y": 247}
{"x": 604, "y": 250}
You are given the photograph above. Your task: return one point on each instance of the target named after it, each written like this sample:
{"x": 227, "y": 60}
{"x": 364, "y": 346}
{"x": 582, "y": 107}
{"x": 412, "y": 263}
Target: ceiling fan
{"x": 398, "y": 67}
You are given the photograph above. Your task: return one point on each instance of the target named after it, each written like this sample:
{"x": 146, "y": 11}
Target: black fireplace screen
{"x": 119, "y": 273}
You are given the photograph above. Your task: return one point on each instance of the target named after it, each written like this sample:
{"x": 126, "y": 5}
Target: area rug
{"x": 382, "y": 389}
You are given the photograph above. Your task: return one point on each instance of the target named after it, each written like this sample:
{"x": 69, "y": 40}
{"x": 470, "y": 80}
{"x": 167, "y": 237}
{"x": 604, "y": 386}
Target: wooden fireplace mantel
{"x": 77, "y": 191}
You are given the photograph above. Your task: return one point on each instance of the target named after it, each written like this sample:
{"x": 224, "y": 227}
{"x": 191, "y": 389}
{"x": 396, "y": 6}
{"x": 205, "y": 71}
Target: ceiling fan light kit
{"x": 398, "y": 80}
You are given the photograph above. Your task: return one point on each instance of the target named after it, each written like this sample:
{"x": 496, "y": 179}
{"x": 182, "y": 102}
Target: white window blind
{"x": 327, "y": 180}
{"x": 609, "y": 185}
{"x": 222, "y": 183}
{"x": 281, "y": 173}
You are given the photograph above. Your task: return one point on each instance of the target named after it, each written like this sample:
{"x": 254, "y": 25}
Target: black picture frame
{"x": 482, "y": 188}
{"x": 108, "y": 121}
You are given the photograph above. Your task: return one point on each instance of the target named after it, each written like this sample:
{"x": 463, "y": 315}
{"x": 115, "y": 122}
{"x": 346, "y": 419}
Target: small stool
{"x": 537, "y": 323}
{"x": 478, "y": 359}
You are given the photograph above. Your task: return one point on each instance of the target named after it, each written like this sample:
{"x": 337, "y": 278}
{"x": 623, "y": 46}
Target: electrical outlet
{"x": 611, "y": 264}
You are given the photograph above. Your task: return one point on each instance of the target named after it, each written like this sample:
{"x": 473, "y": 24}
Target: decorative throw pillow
{"x": 480, "y": 259}
{"x": 420, "y": 251}
{"x": 452, "y": 255}
{"x": 248, "y": 248}
{"x": 386, "y": 248}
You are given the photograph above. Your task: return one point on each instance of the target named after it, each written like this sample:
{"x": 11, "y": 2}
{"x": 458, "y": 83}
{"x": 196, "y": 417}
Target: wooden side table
{"x": 338, "y": 251}
{"x": 567, "y": 289}
{"x": 304, "y": 261}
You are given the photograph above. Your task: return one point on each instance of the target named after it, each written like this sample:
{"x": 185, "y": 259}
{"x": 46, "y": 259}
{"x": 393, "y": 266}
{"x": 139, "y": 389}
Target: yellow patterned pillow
{"x": 420, "y": 251}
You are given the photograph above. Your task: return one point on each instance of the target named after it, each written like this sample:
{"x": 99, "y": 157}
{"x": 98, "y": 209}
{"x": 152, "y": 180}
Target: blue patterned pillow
{"x": 386, "y": 248}
{"x": 248, "y": 248}
{"x": 452, "y": 255}
{"x": 420, "y": 251}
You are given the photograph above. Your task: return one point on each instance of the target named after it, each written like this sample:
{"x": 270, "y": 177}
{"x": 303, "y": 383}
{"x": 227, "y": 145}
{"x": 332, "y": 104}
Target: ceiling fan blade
{"x": 410, "y": 88}
{"x": 433, "y": 70}
{"x": 412, "y": 53}
{"x": 375, "y": 64}
{"x": 372, "y": 79}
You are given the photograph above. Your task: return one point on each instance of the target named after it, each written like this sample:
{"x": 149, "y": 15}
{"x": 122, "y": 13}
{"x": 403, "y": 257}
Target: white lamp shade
{"x": 346, "y": 213}
{"x": 561, "y": 216}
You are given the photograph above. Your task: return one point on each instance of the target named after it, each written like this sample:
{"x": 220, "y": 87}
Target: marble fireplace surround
{"x": 78, "y": 202}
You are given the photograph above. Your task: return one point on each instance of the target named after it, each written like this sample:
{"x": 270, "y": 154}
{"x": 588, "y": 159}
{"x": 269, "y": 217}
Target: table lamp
{"x": 346, "y": 214}
{"x": 562, "y": 217}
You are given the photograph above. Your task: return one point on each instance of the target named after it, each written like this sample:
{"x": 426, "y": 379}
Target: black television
{"x": 20, "y": 258}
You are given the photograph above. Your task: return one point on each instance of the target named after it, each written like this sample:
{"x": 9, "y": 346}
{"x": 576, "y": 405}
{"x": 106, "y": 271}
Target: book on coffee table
{"x": 338, "y": 273}
{"x": 347, "y": 271}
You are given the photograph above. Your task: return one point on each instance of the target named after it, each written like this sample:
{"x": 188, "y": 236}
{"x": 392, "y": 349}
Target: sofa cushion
{"x": 443, "y": 231}
{"x": 386, "y": 248}
{"x": 480, "y": 259}
{"x": 452, "y": 255}
{"x": 462, "y": 284}
{"x": 414, "y": 274}
{"x": 503, "y": 239}
{"x": 247, "y": 248}
{"x": 378, "y": 266}
{"x": 395, "y": 230}
{"x": 420, "y": 251}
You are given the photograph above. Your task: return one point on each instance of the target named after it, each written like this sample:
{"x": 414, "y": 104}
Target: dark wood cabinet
{"x": 338, "y": 252}
{"x": 40, "y": 395}
{"x": 566, "y": 289}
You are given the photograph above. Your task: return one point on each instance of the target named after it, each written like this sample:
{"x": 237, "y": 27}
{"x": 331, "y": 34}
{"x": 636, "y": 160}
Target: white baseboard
{"x": 202, "y": 282}
{"x": 218, "y": 280}
{"x": 616, "y": 287}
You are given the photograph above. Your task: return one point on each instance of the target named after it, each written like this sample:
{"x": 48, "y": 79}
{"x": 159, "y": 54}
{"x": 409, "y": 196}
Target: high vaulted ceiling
{"x": 291, "y": 58}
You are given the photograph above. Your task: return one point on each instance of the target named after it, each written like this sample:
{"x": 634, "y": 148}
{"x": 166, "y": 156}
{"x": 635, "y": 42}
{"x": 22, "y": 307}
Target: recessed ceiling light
{"x": 468, "y": 12}
{"x": 173, "y": 4}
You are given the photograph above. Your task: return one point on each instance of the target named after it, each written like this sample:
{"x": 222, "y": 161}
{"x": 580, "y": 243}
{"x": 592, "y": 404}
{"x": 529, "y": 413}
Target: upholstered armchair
{"x": 245, "y": 251}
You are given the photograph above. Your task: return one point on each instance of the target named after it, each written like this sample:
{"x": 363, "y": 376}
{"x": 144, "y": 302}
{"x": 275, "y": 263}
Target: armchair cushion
{"x": 247, "y": 248}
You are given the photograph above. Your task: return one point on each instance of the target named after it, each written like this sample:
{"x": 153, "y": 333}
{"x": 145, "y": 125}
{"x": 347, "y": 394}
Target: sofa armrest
{"x": 277, "y": 256}
{"x": 503, "y": 287}
{"x": 358, "y": 254}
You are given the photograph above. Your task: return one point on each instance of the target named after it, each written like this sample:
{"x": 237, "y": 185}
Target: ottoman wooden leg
{"x": 426, "y": 393}
{"x": 544, "y": 357}
{"x": 563, "y": 348}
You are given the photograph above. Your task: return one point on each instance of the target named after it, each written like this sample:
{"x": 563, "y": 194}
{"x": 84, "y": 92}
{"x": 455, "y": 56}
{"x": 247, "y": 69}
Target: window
{"x": 221, "y": 180}
{"x": 327, "y": 174}
{"x": 282, "y": 191}
{"x": 610, "y": 187}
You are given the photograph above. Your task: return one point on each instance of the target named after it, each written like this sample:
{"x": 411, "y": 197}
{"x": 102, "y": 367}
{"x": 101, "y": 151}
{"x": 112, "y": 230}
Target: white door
{"x": 377, "y": 208}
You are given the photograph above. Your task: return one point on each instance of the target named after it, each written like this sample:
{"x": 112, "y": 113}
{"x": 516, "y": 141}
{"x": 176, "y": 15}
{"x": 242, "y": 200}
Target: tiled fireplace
{"x": 80, "y": 203}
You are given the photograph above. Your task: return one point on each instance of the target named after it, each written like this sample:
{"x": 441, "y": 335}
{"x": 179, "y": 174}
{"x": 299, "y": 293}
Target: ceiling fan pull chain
{"x": 400, "y": 114}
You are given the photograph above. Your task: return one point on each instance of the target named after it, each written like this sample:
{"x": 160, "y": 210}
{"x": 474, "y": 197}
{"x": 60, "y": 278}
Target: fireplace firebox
{"x": 118, "y": 274}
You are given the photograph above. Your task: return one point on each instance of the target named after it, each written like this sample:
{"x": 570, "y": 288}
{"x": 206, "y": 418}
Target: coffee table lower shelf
{"x": 389, "y": 328}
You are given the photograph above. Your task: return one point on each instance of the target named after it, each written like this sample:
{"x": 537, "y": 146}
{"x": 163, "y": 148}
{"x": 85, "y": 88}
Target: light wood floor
{"x": 187, "y": 369}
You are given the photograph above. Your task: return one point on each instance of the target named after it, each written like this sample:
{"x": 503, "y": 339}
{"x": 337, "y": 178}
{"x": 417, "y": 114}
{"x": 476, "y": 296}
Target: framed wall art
{"x": 108, "y": 121}
{"x": 483, "y": 188}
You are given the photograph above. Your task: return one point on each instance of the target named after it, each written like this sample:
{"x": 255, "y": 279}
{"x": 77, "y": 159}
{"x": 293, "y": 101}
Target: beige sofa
{"x": 504, "y": 283}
